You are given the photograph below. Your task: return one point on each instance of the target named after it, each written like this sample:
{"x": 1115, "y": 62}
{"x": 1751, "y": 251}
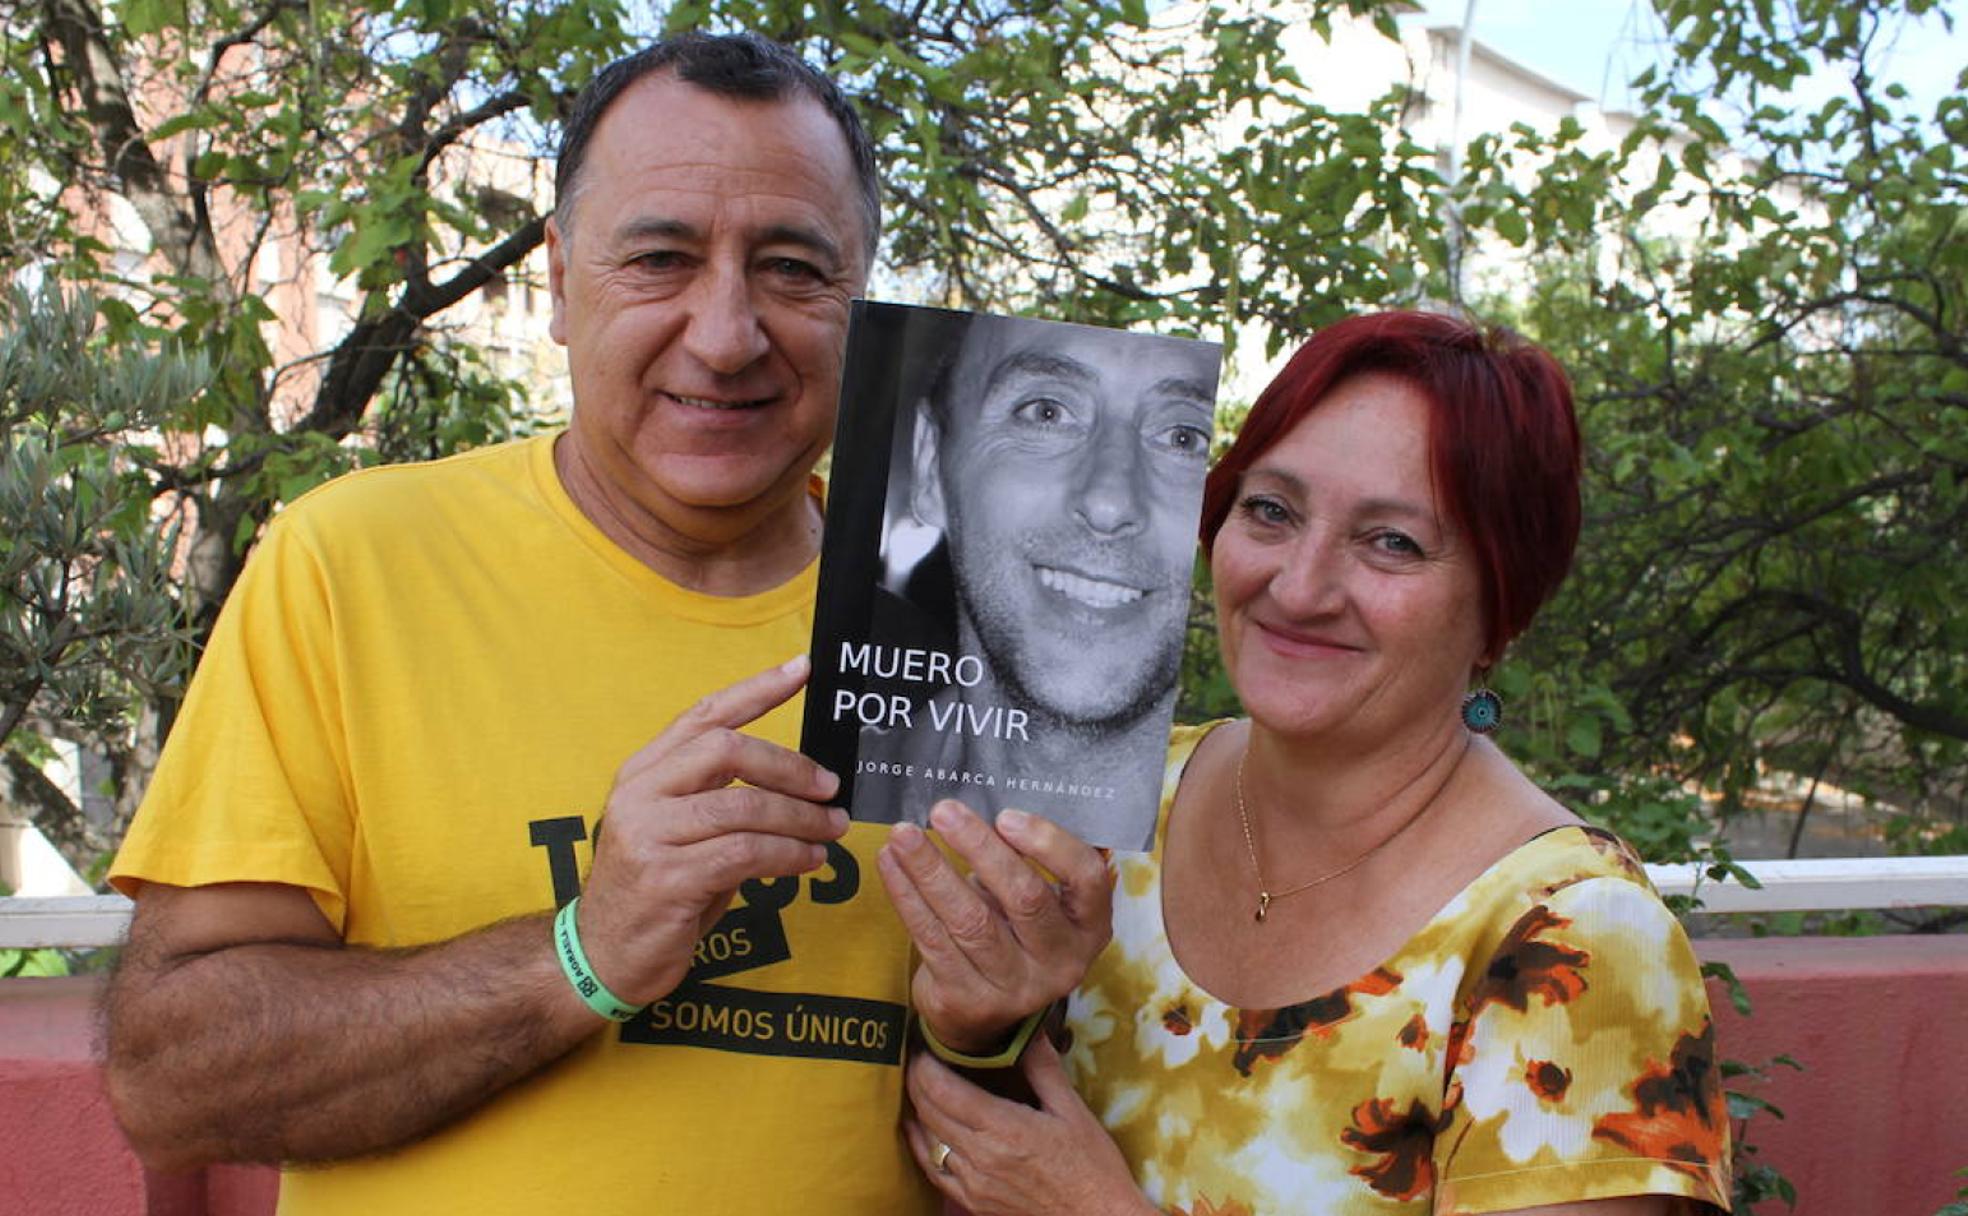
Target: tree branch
{"x": 1847, "y": 665}
{"x": 365, "y": 356}
{"x": 97, "y": 78}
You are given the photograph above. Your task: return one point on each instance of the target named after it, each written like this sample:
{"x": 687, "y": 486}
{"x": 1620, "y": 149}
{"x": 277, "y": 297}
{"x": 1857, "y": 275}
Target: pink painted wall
{"x": 1877, "y": 1123}
{"x": 60, "y": 1151}
{"x": 1875, "y": 1126}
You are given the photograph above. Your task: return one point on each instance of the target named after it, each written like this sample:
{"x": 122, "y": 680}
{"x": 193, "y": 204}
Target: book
{"x": 1005, "y": 573}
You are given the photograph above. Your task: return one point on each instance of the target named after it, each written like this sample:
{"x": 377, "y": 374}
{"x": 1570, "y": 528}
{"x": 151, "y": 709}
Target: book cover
{"x": 1004, "y": 578}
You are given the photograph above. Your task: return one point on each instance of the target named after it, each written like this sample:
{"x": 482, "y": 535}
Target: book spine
{"x": 872, "y": 389}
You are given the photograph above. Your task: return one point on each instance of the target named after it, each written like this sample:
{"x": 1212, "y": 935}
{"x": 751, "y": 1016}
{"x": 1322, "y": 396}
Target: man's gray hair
{"x": 729, "y": 65}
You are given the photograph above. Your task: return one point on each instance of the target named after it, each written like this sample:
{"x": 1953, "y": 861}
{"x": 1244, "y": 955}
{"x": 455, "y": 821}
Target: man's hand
{"x": 679, "y": 837}
{"x": 1006, "y": 942}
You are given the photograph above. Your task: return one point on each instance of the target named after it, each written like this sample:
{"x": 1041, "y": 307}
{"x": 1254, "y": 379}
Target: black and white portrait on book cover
{"x": 1011, "y": 530}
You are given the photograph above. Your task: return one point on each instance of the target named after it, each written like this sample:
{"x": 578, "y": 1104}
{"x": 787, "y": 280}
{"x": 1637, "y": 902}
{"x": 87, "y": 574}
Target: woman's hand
{"x": 1006, "y": 1159}
{"x": 1005, "y": 942}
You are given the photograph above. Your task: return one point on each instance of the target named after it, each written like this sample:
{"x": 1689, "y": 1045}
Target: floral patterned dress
{"x": 1545, "y": 1038}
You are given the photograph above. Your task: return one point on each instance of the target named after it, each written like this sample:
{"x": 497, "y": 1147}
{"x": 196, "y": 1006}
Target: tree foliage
{"x": 1761, "y": 303}
{"x": 179, "y": 159}
{"x": 90, "y": 632}
{"x": 188, "y": 160}
{"x": 1768, "y": 327}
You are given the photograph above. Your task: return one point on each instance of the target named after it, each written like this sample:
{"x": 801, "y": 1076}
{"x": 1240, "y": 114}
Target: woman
{"x": 1370, "y": 967}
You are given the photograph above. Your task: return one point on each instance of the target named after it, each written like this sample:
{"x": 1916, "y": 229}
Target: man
{"x": 412, "y": 719}
{"x": 1063, "y": 465}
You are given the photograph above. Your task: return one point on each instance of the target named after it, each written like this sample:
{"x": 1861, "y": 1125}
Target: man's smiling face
{"x": 1068, "y": 480}
{"x": 701, "y": 288}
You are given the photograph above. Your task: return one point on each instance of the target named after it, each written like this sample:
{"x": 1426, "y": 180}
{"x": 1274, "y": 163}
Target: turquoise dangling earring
{"x": 1482, "y": 710}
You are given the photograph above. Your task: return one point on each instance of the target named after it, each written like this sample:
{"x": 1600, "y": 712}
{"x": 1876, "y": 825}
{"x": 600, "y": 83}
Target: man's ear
{"x": 557, "y": 280}
{"x": 926, "y": 488}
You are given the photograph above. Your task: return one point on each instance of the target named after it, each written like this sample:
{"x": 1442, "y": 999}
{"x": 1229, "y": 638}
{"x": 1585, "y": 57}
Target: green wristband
{"x": 1002, "y": 1059}
{"x": 574, "y": 962}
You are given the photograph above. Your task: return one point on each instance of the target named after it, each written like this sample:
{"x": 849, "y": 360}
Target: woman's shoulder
{"x": 1572, "y": 866}
{"x": 1184, "y": 741}
{"x": 1582, "y": 972}
{"x": 1570, "y": 853}
{"x": 1185, "y": 736}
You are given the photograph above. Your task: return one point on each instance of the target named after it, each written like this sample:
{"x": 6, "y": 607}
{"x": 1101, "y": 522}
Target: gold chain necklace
{"x": 1264, "y": 893}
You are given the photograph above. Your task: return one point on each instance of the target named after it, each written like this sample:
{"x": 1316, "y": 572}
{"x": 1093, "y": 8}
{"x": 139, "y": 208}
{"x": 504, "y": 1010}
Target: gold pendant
{"x": 1263, "y": 905}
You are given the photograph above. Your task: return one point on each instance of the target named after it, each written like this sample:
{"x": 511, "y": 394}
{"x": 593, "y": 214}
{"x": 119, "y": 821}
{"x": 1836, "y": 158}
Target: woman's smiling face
{"x": 1347, "y": 601}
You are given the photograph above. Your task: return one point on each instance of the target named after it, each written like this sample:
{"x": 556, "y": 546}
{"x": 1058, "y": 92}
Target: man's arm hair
{"x": 240, "y": 1028}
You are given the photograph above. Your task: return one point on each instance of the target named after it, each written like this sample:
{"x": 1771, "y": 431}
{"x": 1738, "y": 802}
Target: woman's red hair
{"x": 1503, "y": 444}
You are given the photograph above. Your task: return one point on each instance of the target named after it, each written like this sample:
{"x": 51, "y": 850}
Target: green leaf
{"x": 1511, "y": 225}
{"x": 1738, "y": 994}
{"x": 1583, "y": 735}
{"x": 195, "y": 120}
{"x": 145, "y": 17}
{"x": 1743, "y": 1106}
{"x": 861, "y": 45}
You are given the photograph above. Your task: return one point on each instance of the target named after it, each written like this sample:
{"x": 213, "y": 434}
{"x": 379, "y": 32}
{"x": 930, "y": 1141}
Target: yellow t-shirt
{"x": 1544, "y": 1039}
{"x": 413, "y": 706}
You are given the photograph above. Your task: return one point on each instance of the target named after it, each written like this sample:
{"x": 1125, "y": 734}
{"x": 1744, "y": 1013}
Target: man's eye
{"x": 1041, "y": 411}
{"x": 794, "y": 268}
{"x": 1185, "y": 439}
{"x": 659, "y": 259}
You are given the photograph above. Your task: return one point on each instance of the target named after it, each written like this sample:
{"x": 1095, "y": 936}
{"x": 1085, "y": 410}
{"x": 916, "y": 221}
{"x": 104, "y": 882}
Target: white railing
{"x": 69, "y": 921}
{"x": 1814, "y": 885}
{"x": 1827, "y": 884}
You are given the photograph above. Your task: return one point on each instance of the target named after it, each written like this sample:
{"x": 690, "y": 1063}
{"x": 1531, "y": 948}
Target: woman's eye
{"x": 1398, "y": 543}
{"x": 1264, "y": 510}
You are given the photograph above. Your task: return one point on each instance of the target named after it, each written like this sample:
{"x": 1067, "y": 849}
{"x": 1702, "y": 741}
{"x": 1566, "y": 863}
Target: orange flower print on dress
{"x": 1414, "y": 1036}
{"x": 1203, "y": 1207}
{"x": 1459, "y": 1052}
{"x": 1610, "y": 846}
{"x": 1681, "y": 1116}
{"x": 1492, "y": 1045}
{"x": 1525, "y": 966}
{"x": 1404, "y": 1143}
{"x": 1547, "y": 1080}
{"x": 1266, "y": 1034}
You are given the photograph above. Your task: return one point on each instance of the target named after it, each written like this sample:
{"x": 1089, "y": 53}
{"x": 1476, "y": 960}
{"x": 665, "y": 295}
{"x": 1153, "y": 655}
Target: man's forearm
{"x": 280, "y": 1052}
